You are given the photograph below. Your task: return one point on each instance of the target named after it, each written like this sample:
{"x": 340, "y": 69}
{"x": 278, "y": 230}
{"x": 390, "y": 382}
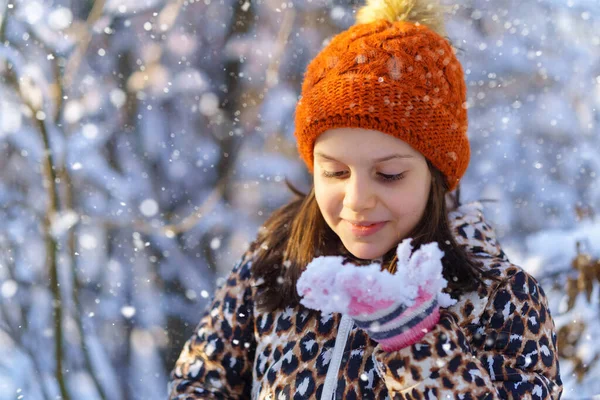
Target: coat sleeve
{"x": 512, "y": 355}
{"x": 216, "y": 362}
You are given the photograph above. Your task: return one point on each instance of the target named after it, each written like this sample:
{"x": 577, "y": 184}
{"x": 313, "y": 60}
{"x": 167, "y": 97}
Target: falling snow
{"x": 171, "y": 138}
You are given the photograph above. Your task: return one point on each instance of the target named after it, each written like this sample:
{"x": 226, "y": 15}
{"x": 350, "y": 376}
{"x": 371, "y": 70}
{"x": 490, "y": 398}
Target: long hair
{"x": 297, "y": 232}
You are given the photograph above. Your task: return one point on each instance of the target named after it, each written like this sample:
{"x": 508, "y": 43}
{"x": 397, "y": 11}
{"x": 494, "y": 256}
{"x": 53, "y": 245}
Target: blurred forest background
{"x": 143, "y": 142}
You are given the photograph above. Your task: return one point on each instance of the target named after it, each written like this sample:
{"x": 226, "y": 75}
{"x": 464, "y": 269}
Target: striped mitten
{"x": 395, "y": 310}
{"x": 391, "y": 323}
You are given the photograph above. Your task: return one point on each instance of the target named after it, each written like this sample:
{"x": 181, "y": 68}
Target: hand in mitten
{"x": 395, "y": 310}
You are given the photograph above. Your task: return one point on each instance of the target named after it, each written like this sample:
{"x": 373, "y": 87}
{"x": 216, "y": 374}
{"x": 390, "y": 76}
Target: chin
{"x": 364, "y": 251}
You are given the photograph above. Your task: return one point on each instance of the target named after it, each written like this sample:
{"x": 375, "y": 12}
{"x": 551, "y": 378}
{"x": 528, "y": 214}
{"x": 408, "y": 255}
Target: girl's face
{"x": 371, "y": 188}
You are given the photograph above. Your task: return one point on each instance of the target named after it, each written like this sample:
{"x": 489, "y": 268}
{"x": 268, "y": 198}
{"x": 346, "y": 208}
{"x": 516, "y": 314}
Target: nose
{"x": 359, "y": 195}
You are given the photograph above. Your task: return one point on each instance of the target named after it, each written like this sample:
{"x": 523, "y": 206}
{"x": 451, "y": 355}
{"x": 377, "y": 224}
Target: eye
{"x": 327, "y": 174}
{"x": 384, "y": 177}
{"x": 390, "y": 178}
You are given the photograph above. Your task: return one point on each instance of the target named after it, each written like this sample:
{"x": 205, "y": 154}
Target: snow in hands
{"x": 329, "y": 285}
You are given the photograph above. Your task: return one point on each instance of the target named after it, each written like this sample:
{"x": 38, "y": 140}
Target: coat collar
{"x": 471, "y": 229}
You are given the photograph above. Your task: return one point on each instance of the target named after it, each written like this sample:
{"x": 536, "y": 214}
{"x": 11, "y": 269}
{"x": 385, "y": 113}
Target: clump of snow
{"x": 128, "y": 311}
{"x": 62, "y": 221}
{"x": 317, "y": 285}
{"x": 425, "y": 265}
{"x": 60, "y": 18}
{"x": 329, "y": 285}
{"x": 8, "y": 288}
{"x": 149, "y": 207}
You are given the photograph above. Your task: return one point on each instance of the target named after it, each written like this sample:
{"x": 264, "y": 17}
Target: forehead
{"x": 361, "y": 143}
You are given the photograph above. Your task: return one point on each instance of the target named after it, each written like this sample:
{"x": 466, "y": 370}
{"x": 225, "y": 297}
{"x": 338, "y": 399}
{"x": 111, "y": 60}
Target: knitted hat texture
{"x": 397, "y": 77}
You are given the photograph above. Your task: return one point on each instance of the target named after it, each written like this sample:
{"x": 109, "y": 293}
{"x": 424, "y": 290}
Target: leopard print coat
{"x": 498, "y": 343}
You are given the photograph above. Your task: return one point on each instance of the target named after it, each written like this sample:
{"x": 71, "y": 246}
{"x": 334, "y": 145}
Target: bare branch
{"x": 49, "y": 183}
{"x": 84, "y": 41}
{"x": 71, "y": 242}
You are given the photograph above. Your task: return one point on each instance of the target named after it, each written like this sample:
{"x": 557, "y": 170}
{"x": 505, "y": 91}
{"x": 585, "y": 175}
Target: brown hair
{"x": 297, "y": 232}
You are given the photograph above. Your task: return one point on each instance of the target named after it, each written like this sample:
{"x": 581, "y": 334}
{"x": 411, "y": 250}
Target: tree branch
{"x": 49, "y": 184}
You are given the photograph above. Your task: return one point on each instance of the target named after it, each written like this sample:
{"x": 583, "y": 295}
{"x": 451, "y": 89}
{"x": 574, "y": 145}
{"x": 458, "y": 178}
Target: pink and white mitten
{"x": 395, "y": 310}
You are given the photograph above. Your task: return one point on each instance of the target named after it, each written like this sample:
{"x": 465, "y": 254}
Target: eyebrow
{"x": 376, "y": 160}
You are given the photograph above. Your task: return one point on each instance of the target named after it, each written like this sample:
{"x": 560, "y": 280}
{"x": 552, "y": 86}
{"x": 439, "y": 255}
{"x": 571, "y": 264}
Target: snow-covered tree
{"x": 143, "y": 142}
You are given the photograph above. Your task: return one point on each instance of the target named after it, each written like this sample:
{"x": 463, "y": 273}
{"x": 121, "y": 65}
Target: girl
{"x": 382, "y": 126}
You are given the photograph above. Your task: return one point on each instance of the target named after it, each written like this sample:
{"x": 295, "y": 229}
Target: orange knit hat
{"x": 391, "y": 72}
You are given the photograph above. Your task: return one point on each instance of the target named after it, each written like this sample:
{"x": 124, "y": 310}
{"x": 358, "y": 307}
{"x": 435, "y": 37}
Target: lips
{"x": 365, "y": 228}
{"x": 365, "y": 223}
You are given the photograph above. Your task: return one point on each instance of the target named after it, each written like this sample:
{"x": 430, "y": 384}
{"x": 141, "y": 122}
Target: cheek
{"x": 405, "y": 204}
{"x": 320, "y": 195}
{"x": 326, "y": 199}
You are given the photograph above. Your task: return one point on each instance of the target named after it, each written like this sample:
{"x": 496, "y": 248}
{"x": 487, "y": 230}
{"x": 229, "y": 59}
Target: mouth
{"x": 365, "y": 228}
{"x": 364, "y": 223}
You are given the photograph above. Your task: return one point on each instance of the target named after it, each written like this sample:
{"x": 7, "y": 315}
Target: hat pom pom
{"x": 426, "y": 12}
